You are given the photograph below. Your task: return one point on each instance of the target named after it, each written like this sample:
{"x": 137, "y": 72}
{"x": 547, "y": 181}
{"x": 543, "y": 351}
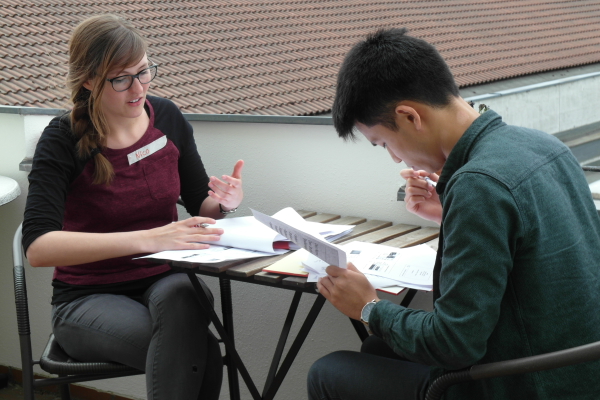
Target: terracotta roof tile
{"x": 282, "y": 56}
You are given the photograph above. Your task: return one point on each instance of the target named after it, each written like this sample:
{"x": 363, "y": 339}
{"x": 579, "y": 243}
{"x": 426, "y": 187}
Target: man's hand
{"x": 347, "y": 289}
{"x": 421, "y": 198}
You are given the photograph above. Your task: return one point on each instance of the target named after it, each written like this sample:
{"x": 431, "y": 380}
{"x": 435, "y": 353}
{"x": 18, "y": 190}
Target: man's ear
{"x": 408, "y": 114}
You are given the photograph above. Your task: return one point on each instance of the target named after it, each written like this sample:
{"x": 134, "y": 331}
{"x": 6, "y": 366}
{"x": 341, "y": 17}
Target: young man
{"x": 517, "y": 272}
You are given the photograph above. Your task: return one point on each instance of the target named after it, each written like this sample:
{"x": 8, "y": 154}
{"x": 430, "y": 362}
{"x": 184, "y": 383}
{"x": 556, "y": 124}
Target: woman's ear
{"x": 88, "y": 85}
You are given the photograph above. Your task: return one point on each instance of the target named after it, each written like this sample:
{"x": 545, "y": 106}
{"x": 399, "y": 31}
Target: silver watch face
{"x": 366, "y": 311}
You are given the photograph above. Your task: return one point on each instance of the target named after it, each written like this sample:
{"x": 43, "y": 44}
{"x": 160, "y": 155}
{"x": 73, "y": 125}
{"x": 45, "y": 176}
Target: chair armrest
{"x": 557, "y": 359}
{"x": 541, "y": 362}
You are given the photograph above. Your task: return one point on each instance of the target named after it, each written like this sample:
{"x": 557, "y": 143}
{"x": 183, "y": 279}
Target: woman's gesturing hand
{"x": 228, "y": 191}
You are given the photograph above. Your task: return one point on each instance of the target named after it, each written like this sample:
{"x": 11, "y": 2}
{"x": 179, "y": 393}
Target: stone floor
{"x": 15, "y": 392}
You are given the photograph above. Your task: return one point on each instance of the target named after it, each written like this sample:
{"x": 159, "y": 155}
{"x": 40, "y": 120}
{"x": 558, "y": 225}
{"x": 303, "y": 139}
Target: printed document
{"x": 384, "y": 265}
{"x": 305, "y": 238}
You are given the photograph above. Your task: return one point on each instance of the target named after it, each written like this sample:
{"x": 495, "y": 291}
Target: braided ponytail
{"x": 98, "y": 44}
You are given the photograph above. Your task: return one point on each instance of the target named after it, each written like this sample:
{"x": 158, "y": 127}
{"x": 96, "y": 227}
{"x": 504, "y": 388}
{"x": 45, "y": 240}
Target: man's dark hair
{"x": 383, "y": 70}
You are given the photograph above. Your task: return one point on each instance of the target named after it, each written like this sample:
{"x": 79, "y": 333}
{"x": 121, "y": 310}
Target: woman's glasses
{"x": 124, "y": 82}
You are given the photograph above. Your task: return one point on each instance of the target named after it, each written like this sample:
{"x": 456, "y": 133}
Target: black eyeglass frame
{"x": 155, "y": 66}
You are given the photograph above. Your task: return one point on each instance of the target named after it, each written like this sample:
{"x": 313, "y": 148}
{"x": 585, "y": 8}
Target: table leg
{"x": 227, "y": 309}
{"x": 285, "y": 331}
{"x": 295, "y": 348}
{"x": 231, "y": 353}
{"x": 410, "y": 294}
{"x": 360, "y": 329}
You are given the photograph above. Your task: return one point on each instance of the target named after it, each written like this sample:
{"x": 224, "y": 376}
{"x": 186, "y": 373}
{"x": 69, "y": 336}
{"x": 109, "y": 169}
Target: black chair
{"x": 53, "y": 360}
{"x": 541, "y": 362}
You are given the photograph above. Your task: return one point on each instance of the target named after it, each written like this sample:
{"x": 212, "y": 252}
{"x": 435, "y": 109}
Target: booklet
{"x": 304, "y": 237}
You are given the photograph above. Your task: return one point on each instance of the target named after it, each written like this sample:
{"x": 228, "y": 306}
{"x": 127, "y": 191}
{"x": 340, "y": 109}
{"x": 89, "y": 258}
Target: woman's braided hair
{"x": 98, "y": 45}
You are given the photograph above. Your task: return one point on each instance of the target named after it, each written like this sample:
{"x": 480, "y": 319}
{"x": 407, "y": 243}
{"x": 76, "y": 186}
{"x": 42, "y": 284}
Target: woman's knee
{"x": 176, "y": 290}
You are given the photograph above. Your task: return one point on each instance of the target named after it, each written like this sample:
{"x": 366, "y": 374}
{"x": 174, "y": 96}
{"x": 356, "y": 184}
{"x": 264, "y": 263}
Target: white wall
{"x": 551, "y": 109}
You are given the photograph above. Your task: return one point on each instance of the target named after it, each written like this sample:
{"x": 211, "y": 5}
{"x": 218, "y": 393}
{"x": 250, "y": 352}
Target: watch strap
{"x": 226, "y": 211}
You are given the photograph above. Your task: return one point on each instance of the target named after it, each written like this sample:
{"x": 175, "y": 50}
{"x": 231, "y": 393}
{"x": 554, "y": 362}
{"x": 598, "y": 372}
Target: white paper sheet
{"x": 410, "y": 267}
{"x": 384, "y": 265}
{"x": 246, "y": 237}
{"x": 213, "y": 254}
{"x": 316, "y": 269}
{"x": 247, "y": 233}
{"x": 305, "y": 237}
{"x": 331, "y": 232}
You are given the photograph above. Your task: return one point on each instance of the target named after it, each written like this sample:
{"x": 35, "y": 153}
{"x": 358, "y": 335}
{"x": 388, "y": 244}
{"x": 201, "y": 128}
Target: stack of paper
{"x": 213, "y": 254}
{"x": 331, "y": 232}
{"x": 246, "y": 237}
{"x": 251, "y": 234}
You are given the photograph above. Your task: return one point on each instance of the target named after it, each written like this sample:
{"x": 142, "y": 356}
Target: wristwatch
{"x": 226, "y": 211}
{"x": 366, "y": 311}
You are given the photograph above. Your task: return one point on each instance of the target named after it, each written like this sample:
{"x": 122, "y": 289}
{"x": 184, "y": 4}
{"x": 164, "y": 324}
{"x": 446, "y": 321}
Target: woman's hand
{"x": 228, "y": 192}
{"x": 421, "y": 198}
{"x": 72, "y": 248}
{"x": 182, "y": 235}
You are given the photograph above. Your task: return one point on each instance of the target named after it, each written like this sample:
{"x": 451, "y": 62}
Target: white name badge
{"x": 147, "y": 150}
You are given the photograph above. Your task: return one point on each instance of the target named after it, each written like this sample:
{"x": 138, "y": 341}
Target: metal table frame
{"x": 225, "y": 330}
{"x": 371, "y": 231}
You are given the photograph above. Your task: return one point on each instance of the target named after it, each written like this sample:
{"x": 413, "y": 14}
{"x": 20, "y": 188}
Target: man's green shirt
{"x": 520, "y": 267}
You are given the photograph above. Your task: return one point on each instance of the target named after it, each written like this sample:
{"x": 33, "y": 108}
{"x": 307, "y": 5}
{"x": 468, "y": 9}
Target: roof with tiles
{"x": 280, "y": 57}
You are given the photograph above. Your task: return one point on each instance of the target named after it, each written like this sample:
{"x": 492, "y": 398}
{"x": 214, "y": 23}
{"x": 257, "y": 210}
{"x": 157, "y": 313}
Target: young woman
{"x": 103, "y": 190}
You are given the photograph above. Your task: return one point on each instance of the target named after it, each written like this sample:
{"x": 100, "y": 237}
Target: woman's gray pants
{"x": 165, "y": 334}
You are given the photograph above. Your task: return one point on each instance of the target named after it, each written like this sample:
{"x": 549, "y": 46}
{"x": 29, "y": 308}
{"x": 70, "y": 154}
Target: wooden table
{"x": 372, "y": 231}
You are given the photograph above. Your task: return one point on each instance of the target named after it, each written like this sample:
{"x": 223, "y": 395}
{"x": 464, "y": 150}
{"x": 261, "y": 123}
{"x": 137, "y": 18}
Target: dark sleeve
{"x": 476, "y": 263}
{"x": 192, "y": 175}
{"x": 54, "y": 167}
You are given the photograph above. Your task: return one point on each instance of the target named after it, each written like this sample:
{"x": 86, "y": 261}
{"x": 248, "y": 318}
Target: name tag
{"x": 147, "y": 150}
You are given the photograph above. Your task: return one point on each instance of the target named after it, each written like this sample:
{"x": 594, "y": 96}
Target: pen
{"x": 428, "y": 179}
{"x": 432, "y": 183}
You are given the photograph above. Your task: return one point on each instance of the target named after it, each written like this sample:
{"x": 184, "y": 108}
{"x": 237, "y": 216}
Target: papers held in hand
{"x": 389, "y": 269}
